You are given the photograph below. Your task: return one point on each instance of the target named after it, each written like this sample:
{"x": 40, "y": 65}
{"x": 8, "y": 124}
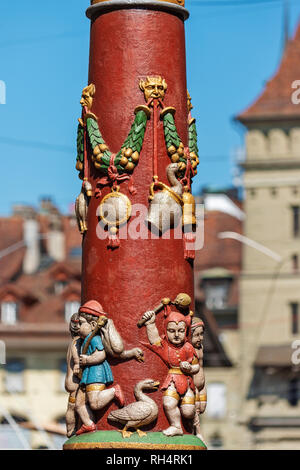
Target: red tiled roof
{"x": 275, "y": 100}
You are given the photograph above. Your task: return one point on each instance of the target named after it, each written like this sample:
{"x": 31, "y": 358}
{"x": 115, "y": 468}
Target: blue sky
{"x": 44, "y": 46}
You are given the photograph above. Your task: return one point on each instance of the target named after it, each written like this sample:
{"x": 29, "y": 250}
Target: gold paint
{"x": 79, "y": 166}
{"x": 153, "y": 88}
{"x": 195, "y": 361}
{"x": 115, "y": 194}
{"x": 189, "y": 102}
{"x": 164, "y": 187}
{"x": 90, "y": 116}
{"x": 129, "y": 445}
{"x": 128, "y": 152}
{"x": 72, "y": 399}
{"x": 189, "y": 208}
{"x": 188, "y": 401}
{"x": 203, "y": 398}
{"x": 168, "y": 109}
{"x": 87, "y": 96}
{"x": 180, "y": 151}
{"x": 197, "y": 397}
{"x": 97, "y": 150}
{"x": 172, "y": 394}
{"x": 176, "y": 2}
{"x": 135, "y": 157}
{"x": 123, "y": 161}
{"x": 183, "y": 300}
{"x": 144, "y": 108}
{"x": 175, "y": 158}
{"x": 130, "y": 166}
{"x": 175, "y": 370}
{"x": 95, "y": 387}
{"x": 103, "y": 147}
{"x": 171, "y": 150}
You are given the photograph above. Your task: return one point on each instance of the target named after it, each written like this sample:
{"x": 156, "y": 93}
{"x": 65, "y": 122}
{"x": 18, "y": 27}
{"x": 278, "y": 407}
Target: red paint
{"x": 128, "y": 45}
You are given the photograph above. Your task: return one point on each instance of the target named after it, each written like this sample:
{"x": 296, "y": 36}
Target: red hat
{"x": 92, "y": 307}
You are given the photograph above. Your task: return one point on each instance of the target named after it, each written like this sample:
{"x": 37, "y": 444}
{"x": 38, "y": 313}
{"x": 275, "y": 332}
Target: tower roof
{"x": 275, "y": 101}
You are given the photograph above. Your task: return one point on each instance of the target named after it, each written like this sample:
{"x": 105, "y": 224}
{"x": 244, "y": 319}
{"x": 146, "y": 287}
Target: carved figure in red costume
{"x": 181, "y": 358}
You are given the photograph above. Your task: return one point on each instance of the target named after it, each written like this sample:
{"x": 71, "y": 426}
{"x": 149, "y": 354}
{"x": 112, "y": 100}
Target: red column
{"x": 128, "y": 45}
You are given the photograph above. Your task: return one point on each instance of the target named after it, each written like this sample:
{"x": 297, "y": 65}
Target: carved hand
{"x": 149, "y": 317}
{"x": 76, "y": 369}
{"x": 185, "y": 367}
{"x": 138, "y": 354}
{"x": 83, "y": 360}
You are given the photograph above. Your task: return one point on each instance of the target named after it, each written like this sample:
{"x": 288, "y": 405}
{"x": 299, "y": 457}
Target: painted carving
{"x": 114, "y": 211}
{"x": 89, "y": 379}
{"x": 199, "y": 378}
{"x": 81, "y": 206}
{"x": 169, "y": 203}
{"x": 141, "y": 413}
{"x": 154, "y": 88}
{"x": 72, "y": 377}
{"x": 181, "y": 359}
{"x": 165, "y": 209}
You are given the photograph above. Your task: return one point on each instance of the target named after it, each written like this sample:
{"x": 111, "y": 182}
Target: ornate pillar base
{"x": 114, "y": 440}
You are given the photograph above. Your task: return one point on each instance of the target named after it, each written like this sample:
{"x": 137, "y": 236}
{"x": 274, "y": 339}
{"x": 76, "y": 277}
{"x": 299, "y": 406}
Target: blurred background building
{"x": 40, "y": 272}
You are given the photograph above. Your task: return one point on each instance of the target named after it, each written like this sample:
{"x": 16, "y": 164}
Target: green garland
{"x": 126, "y": 159}
{"x": 80, "y": 148}
{"x": 174, "y": 144}
{"x": 193, "y": 144}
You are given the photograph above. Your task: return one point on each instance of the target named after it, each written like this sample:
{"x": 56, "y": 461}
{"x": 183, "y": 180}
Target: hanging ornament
{"x": 114, "y": 211}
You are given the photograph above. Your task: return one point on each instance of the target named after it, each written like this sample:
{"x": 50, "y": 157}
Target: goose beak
{"x": 156, "y": 385}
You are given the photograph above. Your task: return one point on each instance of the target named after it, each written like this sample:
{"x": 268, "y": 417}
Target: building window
{"x": 296, "y": 220}
{"x": 70, "y": 308}
{"x": 216, "y": 294}
{"x": 293, "y": 393}
{"x": 14, "y": 376}
{"x": 63, "y": 372}
{"x": 9, "y": 312}
{"x": 295, "y": 262}
{"x": 273, "y": 192}
{"x": 295, "y": 317}
{"x": 216, "y": 400}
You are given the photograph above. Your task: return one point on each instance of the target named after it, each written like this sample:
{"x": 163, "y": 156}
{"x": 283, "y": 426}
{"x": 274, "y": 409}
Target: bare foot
{"x": 173, "y": 431}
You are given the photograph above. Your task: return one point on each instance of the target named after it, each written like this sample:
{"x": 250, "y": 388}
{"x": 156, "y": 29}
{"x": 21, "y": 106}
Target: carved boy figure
{"x": 72, "y": 380}
{"x": 199, "y": 379}
{"x": 97, "y": 374}
{"x": 181, "y": 358}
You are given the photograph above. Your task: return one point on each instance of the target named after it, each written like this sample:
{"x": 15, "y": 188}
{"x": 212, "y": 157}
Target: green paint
{"x": 80, "y": 144}
{"x": 170, "y": 131}
{"x": 193, "y": 146}
{"x": 134, "y": 141}
{"x": 151, "y": 438}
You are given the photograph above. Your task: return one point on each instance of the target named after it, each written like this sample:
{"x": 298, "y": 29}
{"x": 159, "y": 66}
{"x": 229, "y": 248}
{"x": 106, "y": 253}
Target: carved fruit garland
{"x": 115, "y": 168}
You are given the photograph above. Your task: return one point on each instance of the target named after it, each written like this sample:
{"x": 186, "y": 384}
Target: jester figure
{"x": 181, "y": 358}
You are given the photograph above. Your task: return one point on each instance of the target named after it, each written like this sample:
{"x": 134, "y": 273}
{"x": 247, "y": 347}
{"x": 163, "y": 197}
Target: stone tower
{"x": 270, "y": 294}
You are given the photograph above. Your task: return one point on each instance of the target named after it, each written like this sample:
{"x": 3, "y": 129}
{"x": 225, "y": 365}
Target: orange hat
{"x": 92, "y": 307}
